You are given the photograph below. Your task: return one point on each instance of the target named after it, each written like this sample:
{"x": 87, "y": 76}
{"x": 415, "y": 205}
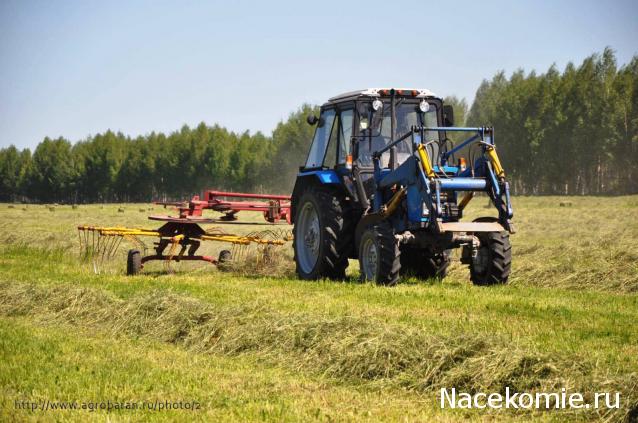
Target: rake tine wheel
{"x": 105, "y": 242}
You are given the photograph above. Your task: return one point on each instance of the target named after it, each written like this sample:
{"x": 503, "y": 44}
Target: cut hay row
{"x": 346, "y": 348}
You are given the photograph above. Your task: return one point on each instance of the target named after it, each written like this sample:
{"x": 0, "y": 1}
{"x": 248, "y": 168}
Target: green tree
{"x": 52, "y": 175}
{"x": 9, "y": 173}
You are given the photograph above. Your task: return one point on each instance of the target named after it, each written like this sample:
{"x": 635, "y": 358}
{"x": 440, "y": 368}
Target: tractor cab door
{"x": 368, "y": 139}
{"x": 331, "y": 143}
{"x": 321, "y": 139}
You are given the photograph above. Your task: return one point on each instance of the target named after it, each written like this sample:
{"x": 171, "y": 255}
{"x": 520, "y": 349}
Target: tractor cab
{"x": 354, "y": 125}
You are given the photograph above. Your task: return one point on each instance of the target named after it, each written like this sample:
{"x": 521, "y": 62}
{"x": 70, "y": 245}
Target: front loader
{"x": 384, "y": 184}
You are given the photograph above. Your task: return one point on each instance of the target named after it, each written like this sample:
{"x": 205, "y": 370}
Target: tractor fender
{"x": 306, "y": 179}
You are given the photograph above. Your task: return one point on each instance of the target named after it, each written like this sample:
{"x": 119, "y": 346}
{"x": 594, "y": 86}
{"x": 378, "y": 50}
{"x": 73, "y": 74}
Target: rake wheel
{"x": 133, "y": 262}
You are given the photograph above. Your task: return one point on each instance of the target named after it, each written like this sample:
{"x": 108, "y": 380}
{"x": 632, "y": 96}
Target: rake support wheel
{"x": 133, "y": 262}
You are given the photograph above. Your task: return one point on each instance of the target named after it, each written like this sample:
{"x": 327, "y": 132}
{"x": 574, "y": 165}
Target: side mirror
{"x": 312, "y": 119}
{"x": 448, "y": 115}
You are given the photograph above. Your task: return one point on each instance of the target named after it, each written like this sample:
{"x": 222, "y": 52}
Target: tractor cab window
{"x": 321, "y": 139}
{"x": 375, "y": 130}
{"x": 330, "y": 159}
{"x": 339, "y": 143}
{"x": 345, "y": 134}
{"x": 430, "y": 118}
{"x": 374, "y": 127}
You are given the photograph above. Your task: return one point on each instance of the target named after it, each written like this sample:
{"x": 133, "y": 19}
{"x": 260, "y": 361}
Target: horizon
{"x": 76, "y": 69}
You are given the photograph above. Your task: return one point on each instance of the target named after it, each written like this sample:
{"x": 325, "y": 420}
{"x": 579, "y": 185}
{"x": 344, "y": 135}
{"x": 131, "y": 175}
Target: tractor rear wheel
{"x": 379, "y": 255}
{"x": 133, "y": 262}
{"x": 493, "y": 261}
{"x": 323, "y": 234}
{"x": 425, "y": 264}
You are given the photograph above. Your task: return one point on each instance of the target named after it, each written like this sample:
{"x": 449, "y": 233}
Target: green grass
{"x": 94, "y": 367}
{"x": 274, "y": 348}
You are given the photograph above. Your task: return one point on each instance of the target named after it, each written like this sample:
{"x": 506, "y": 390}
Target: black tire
{"x": 224, "y": 260}
{"x": 133, "y": 262}
{"x": 424, "y": 264}
{"x": 380, "y": 241}
{"x": 494, "y": 263}
{"x": 224, "y": 256}
{"x": 335, "y": 234}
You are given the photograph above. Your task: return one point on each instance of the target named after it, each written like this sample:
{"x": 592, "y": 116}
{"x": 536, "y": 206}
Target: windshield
{"x": 375, "y": 130}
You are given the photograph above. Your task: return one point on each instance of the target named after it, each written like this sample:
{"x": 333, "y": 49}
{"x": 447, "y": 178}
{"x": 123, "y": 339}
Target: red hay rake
{"x": 277, "y": 207}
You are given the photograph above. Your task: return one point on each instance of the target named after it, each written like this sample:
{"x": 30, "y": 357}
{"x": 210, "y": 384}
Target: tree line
{"x": 574, "y": 132}
{"x": 113, "y": 167}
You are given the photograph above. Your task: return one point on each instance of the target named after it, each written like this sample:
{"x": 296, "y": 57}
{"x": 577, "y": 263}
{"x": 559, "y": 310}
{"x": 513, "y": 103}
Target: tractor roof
{"x": 379, "y": 92}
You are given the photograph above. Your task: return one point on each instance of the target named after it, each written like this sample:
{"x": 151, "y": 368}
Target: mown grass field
{"x": 253, "y": 347}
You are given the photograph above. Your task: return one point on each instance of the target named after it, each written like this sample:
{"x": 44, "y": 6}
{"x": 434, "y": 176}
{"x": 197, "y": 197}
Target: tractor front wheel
{"x": 323, "y": 234}
{"x": 493, "y": 261}
{"x": 379, "y": 255}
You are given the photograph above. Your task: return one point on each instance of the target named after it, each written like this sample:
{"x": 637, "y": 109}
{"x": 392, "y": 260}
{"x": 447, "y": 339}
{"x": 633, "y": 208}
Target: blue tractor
{"x": 385, "y": 185}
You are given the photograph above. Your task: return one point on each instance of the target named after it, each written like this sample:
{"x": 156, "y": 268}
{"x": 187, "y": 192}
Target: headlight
{"x": 424, "y": 106}
{"x": 377, "y": 104}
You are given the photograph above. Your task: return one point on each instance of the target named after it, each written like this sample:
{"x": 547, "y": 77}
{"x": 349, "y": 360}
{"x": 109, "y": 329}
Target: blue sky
{"x": 75, "y": 68}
